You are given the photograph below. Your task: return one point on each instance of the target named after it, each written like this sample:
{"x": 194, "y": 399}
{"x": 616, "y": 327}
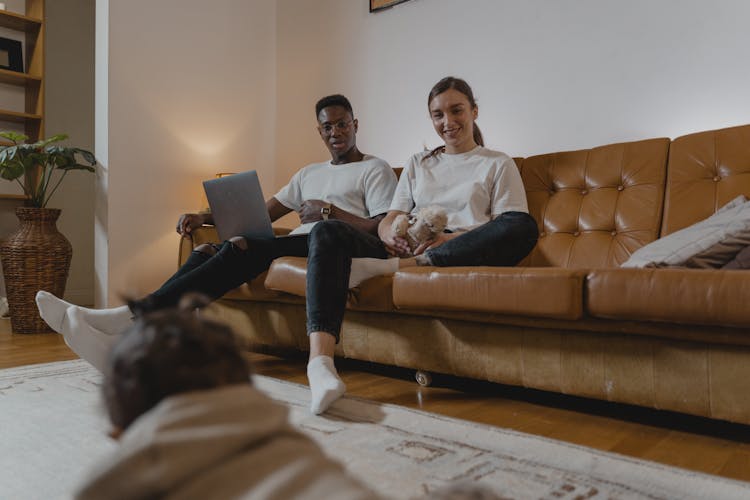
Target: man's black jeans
{"x": 215, "y": 275}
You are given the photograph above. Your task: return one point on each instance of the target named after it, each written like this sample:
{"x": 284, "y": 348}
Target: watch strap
{"x": 325, "y": 211}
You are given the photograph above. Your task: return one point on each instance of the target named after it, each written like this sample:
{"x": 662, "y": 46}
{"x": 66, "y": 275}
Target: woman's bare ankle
{"x": 322, "y": 344}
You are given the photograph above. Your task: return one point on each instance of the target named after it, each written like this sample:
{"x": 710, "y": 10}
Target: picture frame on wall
{"x": 376, "y": 5}
{"x": 11, "y": 56}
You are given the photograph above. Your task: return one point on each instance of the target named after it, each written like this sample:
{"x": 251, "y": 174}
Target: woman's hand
{"x": 188, "y": 222}
{"x": 395, "y": 245}
{"x": 435, "y": 242}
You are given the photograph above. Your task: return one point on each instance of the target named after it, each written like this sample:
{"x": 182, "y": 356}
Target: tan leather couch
{"x": 568, "y": 319}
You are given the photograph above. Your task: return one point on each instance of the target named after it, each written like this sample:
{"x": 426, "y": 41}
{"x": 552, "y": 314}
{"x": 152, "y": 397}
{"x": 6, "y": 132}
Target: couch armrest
{"x": 207, "y": 234}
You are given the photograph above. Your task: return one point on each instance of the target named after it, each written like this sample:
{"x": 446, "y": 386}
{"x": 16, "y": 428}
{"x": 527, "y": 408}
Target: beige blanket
{"x": 232, "y": 442}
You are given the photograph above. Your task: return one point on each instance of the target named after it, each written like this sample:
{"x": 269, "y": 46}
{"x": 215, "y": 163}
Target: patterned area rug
{"x": 53, "y": 428}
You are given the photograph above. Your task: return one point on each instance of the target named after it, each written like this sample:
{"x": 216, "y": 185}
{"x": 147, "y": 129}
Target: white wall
{"x": 197, "y": 87}
{"x": 69, "y": 109}
{"x": 191, "y": 92}
{"x": 548, "y": 75}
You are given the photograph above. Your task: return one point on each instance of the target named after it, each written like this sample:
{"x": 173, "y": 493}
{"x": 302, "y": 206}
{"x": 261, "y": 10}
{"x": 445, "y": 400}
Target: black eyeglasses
{"x": 341, "y": 126}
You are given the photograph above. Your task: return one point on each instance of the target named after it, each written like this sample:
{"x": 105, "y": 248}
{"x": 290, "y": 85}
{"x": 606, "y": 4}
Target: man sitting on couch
{"x": 352, "y": 187}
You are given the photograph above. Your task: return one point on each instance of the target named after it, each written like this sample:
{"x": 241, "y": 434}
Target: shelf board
{"x": 14, "y": 116}
{"x": 19, "y": 21}
{"x": 16, "y": 78}
{"x": 21, "y": 197}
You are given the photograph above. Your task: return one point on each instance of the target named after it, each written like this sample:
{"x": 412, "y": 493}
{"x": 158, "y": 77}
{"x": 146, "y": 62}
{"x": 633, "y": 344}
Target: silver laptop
{"x": 238, "y": 206}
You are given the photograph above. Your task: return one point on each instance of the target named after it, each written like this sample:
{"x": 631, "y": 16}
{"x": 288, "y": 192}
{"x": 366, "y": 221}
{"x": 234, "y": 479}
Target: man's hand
{"x": 310, "y": 211}
{"x": 187, "y": 222}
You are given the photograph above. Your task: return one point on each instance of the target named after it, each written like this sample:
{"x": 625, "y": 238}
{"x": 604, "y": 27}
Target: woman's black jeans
{"x": 504, "y": 241}
{"x": 215, "y": 275}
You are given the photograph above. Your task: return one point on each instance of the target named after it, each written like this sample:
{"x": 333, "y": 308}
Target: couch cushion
{"x": 288, "y": 274}
{"x": 595, "y": 207}
{"x": 706, "y": 170}
{"x": 540, "y": 292}
{"x": 253, "y": 290}
{"x": 688, "y": 296}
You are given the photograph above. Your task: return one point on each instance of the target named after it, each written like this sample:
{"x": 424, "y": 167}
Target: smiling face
{"x": 338, "y": 129}
{"x": 453, "y": 119}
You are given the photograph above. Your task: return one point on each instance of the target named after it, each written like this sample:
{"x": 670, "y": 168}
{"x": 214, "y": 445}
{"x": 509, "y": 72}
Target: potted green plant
{"x": 37, "y": 256}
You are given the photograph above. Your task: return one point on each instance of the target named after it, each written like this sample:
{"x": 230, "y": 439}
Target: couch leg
{"x": 423, "y": 378}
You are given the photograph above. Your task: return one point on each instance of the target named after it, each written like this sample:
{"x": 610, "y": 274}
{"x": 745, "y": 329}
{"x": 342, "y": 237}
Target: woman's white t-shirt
{"x": 363, "y": 188}
{"x": 472, "y": 187}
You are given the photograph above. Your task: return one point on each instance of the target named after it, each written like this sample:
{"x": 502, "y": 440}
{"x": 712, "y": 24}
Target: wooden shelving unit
{"x": 31, "y": 117}
{"x": 32, "y": 79}
{"x": 14, "y": 116}
{"x": 16, "y": 78}
{"x": 20, "y": 22}
{"x": 14, "y": 197}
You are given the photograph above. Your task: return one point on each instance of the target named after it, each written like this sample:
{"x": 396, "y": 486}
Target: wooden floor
{"x": 674, "y": 439}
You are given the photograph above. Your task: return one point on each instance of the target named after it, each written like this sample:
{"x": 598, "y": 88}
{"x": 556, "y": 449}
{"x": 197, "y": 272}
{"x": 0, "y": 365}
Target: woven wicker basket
{"x": 36, "y": 257}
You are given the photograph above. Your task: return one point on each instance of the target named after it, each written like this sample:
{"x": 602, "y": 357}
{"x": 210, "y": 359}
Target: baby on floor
{"x": 191, "y": 425}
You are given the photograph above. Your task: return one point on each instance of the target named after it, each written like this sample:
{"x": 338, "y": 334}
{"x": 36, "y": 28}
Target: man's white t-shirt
{"x": 363, "y": 188}
{"x": 472, "y": 187}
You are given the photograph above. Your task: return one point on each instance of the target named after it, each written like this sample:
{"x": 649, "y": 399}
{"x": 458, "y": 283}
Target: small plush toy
{"x": 421, "y": 226}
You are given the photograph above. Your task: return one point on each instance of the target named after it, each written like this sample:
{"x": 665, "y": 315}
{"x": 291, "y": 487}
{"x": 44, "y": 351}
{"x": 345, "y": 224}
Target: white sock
{"x": 111, "y": 321}
{"x": 86, "y": 341}
{"x": 325, "y": 384}
{"x": 364, "y": 268}
{"x": 51, "y": 309}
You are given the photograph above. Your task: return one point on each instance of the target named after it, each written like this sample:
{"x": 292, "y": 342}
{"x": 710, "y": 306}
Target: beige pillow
{"x": 715, "y": 240}
{"x": 719, "y": 254}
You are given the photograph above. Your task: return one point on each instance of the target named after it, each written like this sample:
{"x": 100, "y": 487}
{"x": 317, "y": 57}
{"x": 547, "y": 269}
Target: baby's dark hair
{"x": 333, "y": 100}
{"x": 166, "y": 353}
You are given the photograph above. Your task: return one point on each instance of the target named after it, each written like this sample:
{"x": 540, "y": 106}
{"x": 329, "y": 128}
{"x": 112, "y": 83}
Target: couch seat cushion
{"x": 288, "y": 274}
{"x": 525, "y": 291}
{"x": 691, "y": 296}
{"x": 253, "y": 290}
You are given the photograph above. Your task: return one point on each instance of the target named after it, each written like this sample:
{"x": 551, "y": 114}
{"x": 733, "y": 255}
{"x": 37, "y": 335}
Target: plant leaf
{"x": 12, "y": 171}
{"x": 14, "y": 136}
{"x": 50, "y": 140}
{"x": 21, "y": 158}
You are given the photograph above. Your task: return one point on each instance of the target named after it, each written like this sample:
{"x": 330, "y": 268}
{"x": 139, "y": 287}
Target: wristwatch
{"x": 325, "y": 211}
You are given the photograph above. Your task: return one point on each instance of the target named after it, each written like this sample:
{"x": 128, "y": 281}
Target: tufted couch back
{"x": 706, "y": 170}
{"x": 595, "y": 207}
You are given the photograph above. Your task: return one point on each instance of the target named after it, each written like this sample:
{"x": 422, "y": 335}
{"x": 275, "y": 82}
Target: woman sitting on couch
{"x": 488, "y": 225}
